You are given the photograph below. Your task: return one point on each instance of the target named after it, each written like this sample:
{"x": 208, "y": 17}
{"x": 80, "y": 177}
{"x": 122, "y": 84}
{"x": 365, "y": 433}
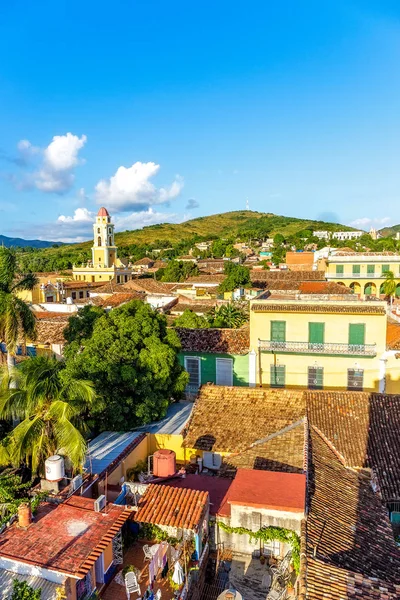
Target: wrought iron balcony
{"x": 311, "y": 348}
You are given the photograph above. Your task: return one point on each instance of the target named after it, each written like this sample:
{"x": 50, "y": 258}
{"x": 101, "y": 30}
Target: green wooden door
{"x": 278, "y": 331}
{"x": 357, "y": 334}
{"x": 316, "y": 333}
{"x": 277, "y": 375}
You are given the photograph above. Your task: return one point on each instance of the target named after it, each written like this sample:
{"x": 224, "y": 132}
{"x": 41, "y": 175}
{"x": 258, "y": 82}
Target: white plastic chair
{"x": 158, "y": 595}
{"x": 131, "y": 584}
{"x": 148, "y": 555}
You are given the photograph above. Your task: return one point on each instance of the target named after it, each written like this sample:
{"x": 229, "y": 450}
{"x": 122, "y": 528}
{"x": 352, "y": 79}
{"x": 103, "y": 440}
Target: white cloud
{"x": 59, "y": 159}
{"x": 367, "y": 222}
{"x": 26, "y": 152}
{"x": 81, "y": 215}
{"x": 131, "y": 189}
{"x": 142, "y": 218}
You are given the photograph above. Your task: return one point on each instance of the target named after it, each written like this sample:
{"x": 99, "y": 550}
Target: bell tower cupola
{"x": 104, "y": 251}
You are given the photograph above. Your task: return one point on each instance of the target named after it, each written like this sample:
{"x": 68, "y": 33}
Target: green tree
{"x": 278, "y": 239}
{"x": 178, "y": 270}
{"x": 51, "y": 408}
{"x": 236, "y": 276}
{"x": 17, "y": 321}
{"x": 229, "y": 315}
{"x": 190, "y": 320}
{"x": 389, "y": 285}
{"x": 23, "y": 591}
{"x": 81, "y": 325}
{"x": 132, "y": 358}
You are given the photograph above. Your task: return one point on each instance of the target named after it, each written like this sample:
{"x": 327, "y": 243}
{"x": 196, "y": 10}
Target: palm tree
{"x": 228, "y": 315}
{"x": 389, "y": 285}
{"x": 51, "y": 410}
{"x": 17, "y": 321}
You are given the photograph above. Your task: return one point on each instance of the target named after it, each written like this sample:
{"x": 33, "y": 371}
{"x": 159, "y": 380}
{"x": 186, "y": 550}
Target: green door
{"x": 357, "y": 334}
{"x": 278, "y": 331}
{"x": 277, "y": 374}
{"x": 316, "y": 333}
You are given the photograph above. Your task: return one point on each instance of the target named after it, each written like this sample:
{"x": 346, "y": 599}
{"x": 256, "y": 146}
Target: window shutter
{"x": 355, "y": 379}
{"x": 370, "y": 268}
{"x": 315, "y": 378}
{"x": 316, "y": 333}
{"x": 339, "y": 269}
{"x": 356, "y": 269}
{"x": 277, "y": 375}
{"x": 356, "y": 334}
{"x": 192, "y": 366}
{"x": 224, "y": 371}
{"x": 385, "y": 268}
{"x": 278, "y": 331}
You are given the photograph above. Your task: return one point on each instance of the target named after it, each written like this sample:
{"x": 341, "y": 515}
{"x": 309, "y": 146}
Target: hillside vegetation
{"x": 389, "y": 231}
{"x": 242, "y": 225}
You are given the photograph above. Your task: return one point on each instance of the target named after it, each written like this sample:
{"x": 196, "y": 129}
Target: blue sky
{"x": 164, "y": 111}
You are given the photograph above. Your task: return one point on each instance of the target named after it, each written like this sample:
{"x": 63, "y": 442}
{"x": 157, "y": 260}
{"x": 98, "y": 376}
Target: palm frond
{"x": 8, "y": 268}
{"x": 70, "y": 442}
{"x": 26, "y": 282}
{"x": 27, "y": 441}
{"x": 26, "y": 319}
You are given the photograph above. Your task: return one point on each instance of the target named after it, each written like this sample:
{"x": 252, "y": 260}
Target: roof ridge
{"x": 330, "y": 445}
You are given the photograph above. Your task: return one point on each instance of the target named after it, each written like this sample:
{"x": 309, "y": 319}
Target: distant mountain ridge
{"x": 9, "y": 242}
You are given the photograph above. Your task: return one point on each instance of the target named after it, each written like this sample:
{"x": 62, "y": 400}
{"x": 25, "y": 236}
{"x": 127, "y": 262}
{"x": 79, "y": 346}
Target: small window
{"x": 355, "y": 379}
{"x": 371, "y": 269}
{"x": 73, "y": 295}
{"x": 316, "y": 333}
{"x": 99, "y": 241}
{"x": 278, "y": 331}
{"x": 192, "y": 366}
{"x": 356, "y": 269}
{"x": 356, "y": 334}
{"x": 109, "y": 241}
{"x": 80, "y": 294}
{"x": 272, "y": 548}
{"x": 315, "y": 378}
{"x": 224, "y": 371}
{"x": 98, "y": 230}
{"x": 118, "y": 279}
{"x": 385, "y": 268}
{"x": 339, "y": 269}
{"x": 277, "y": 375}
{"x": 87, "y": 294}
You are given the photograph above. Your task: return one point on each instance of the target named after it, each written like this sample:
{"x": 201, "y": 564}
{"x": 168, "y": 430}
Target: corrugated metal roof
{"x": 173, "y": 423}
{"x": 106, "y": 448}
{"x": 48, "y": 589}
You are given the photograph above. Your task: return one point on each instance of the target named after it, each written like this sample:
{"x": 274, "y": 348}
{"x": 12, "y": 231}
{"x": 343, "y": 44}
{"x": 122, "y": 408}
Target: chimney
{"x": 24, "y": 515}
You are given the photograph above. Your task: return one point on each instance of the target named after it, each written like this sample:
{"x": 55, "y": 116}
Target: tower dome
{"x": 103, "y": 212}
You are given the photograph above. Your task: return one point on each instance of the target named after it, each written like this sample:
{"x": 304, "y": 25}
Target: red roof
{"x": 67, "y": 539}
{"x": 171, "y": 506}
{"x": 217, "y": 487}
{"x": 103, "y": 212}
{"x": 266, "y": 489}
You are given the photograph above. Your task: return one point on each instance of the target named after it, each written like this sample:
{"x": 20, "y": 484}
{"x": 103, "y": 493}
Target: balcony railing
{"x": 310, "y": 348}
{"x": 356, "y": 275}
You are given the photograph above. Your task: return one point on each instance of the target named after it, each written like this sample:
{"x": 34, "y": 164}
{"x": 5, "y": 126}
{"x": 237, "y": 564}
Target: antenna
{"x": 247, "y": 204}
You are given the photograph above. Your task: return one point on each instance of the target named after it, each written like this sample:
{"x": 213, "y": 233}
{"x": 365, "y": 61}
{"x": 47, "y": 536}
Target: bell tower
{"x": 104, "y": 251}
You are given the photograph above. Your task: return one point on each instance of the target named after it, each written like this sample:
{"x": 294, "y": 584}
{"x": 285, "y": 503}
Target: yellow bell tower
{"x": 104, "y": 251}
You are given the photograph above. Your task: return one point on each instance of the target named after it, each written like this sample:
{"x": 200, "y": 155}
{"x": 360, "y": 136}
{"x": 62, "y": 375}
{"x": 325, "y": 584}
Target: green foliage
{"x": 188, "y": 319}
{"x": 81, "y": 325}
{"x": 152, "y": 532}
{"x": 16, "y": 319}
{"x": 23, "y": 591}
{"x": 230, "y": 316}
{"x": 178, "y": 270}
{"x": 267, "y": 534}
{"x": 50, "y": 409}
{"x": 237, "y": 276}
{"x": 389, "y": 285}
{"x": 133, "y": 472}
{"x": 132, "y": 358}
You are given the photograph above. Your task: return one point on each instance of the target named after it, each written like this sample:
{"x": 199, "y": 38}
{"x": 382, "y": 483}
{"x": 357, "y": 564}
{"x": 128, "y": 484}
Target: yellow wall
{"x": 392, "y": 374}
{"x": 336, "y": 331}
{"x": 139, "y": 453}
{"x": 360, "y": 280}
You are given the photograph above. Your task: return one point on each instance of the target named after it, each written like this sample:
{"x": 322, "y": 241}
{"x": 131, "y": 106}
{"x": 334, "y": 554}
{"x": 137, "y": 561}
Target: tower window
{"x": 99, "y": 241}
{"x": 98, "y": 230}
{"x": 109, "y": 241}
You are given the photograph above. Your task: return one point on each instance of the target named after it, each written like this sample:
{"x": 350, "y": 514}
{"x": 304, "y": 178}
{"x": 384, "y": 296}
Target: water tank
{"x": 54, "y": 466}
{"x": 164, "y": 463}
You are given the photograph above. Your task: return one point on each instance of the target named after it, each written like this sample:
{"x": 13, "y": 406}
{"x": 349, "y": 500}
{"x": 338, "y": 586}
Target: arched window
{"x": 99, "y": 241}
{"x": 109, "y": 241}
{"x": 98, "y": 230}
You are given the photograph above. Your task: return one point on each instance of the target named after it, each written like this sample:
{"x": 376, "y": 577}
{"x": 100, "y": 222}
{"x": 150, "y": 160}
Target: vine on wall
{"x": 268, "y": 534}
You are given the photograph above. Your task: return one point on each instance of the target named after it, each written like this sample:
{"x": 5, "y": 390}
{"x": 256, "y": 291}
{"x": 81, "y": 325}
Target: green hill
{"x": 242, "y": 225}
{"x": 389, "y": 231}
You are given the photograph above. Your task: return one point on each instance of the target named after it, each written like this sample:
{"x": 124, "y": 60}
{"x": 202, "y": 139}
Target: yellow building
{"x": 105, "y": 264}
{"x": 363, "y": 273}
{"x": 316, "y": 345}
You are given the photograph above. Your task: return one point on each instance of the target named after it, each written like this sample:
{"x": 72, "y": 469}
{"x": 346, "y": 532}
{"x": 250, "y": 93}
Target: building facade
{"x": 105, "y": 264}
{"x": 316, "y": 345}
{"x": 363, "y": 273}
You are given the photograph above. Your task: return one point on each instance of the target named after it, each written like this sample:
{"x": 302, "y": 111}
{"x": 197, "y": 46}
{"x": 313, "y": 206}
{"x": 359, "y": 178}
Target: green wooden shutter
{"x": 357, "y": 334}
{"x": 371, "y": 269}
{"x": 339, "y": 269}
{"x": 278, "y": 331}
{"x": 315, "y": 378}
{"x": 356, "y": 269}
{"x": 385, "y": 268}
{"x": 316, "y": 333}
{"x": 277, "y": 375}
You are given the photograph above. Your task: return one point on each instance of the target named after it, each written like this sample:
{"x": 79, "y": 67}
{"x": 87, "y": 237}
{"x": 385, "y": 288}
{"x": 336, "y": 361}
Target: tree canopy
{"x": 81, "y": 325}
{"x": 237, "y": 276}
{"x": 191, "y": 320}
{"x": 177, "y": 270}
{"x": 23, "y": 591}
{"x": 131, "y": 356}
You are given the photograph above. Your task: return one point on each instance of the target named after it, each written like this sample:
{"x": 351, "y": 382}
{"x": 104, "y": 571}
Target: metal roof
{"x": 107, "y": 447}
{"x": 173, "y": 423}
{"x": 7, "y": 578}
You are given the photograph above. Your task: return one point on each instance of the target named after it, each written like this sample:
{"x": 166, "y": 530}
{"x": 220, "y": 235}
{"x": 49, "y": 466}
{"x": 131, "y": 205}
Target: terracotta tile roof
{"x": 216, "y": 278}
{"x": 172, "y": 507}
{"x": 230, "y": 419}
{"x": 51, "y": 330}
{"x": 117, "y": 299}
{"x": 349, "y": 541}
{"x": 287, "y": 275}
{"x": 229, "y": 341}
{"x": 82, "y": 284}
{"x": 148, "y": 285}
{"x": 110, "y": 287}
{"x": 47, "y": 314}
{"x": 363, "y": 429}
{"x": 69, "y": 539}
{"x": 282, "y": 284}
{"x": 145, "y": 261}
{"x": 283, "y": 451}
{"x": 216, "y": 487}
{"x": 323, "y": 287}
{"x": 307, "y": 307}
{"x": 393, "y": 335}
